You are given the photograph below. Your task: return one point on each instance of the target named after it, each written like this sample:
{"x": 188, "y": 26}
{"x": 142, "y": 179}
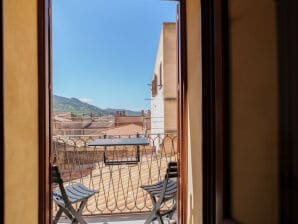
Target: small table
{"x": 120, "y": 142}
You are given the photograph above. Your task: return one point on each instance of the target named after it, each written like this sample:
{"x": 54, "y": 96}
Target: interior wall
{"x": 254, "y": 111}
{"x": 20, "y": 111}
{"x": 194, "y": 102}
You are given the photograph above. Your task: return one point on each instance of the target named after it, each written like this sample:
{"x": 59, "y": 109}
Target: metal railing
{"x": 118, "y": 185}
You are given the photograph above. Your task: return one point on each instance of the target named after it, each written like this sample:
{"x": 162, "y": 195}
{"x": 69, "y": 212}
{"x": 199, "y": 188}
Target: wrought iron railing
{"x": 118, "y": 185}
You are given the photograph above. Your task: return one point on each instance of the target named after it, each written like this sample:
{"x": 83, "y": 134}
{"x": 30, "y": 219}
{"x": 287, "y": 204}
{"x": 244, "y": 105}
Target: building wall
{"x": 124, "y": 120}
{"x": 20, "y": 111}
{"x": 157, "y": 103}
{"x": 164, "y": 104}
{"x": 170, "y": 76}
{"x": 254, "y": 116}
{"x": 170, "y": 120}
{"x": 170, "y": 60}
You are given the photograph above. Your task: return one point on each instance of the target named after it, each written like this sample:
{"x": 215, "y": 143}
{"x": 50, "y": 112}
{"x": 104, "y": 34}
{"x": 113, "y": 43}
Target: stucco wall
{"x": 194, "y": 101}
{"x": 170, "y": 115}
{"x": 164, "y": 103}
{"x": 170, "y": 76}
{"x": 20, "y": 111}
{"x": 157, "y": 103}
{"x": 254, "y": 134}
{"x": 170, "y": 60}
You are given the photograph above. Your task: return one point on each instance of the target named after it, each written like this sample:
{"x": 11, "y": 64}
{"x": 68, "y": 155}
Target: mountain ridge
{"x": 77, "y": 107}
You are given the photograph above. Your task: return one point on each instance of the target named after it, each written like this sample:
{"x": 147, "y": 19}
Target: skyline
{"x": 83, "y": 58}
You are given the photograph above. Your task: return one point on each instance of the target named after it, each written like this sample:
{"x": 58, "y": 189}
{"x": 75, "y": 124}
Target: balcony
{"x": 120, "y": 198}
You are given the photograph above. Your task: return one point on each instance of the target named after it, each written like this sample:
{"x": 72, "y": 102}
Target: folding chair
{"x": 65, "y": 197}
{"x": 162, "y": 192}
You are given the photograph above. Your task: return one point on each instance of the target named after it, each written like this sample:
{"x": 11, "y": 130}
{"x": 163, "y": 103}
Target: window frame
{"x": 160, "y": 74}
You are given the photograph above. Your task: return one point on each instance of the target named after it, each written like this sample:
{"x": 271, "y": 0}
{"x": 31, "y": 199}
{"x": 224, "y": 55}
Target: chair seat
{"x": 155, "y": 189}
{"x": 76, "y": 193}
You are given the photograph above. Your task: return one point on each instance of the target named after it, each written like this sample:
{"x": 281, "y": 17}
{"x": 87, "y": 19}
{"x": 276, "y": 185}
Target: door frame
{"x": 215, "y": 196}
{"x": 44, "y": 116}
{"x": 44, "y": 106}
{"x": 287, "y": 35}
{"x": 182, "y": 114}
{"x": 216, "y": 114}
{"x": 2, "y": 113}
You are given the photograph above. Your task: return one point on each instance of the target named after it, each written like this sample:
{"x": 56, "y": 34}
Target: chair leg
{"x": 75, "y": 214}
{"x": 151, "y": 218}
{"x": 81, "y": 220}
{"x": 81, "y": 207}
{"x": 78, "y": 214}
{"x": 68, "y": 214}
{"x": 170, "y": 212}
{"x": 58, "y": 215}
{"x": 74, "y": 221}
{"x": 159, "y": 218}
{"x": 152, "y": 215}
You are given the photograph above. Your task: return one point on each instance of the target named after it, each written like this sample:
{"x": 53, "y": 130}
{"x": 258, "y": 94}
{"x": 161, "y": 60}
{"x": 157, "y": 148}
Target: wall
{"x": 170, "y": 60}
{"x": 254, "y": 117}
{"x": 157, "y": 103}
{"x": 254, "y": 114}
{"x": 194, "y": 101}
{"x": 164, "y": 103}
{"x": 170, "y": 77}
{"x": 125, "y": 120}
{"x": 20, "y": 111}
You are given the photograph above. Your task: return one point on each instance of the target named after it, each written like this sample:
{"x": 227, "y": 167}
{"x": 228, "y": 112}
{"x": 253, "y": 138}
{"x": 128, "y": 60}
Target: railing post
{"x": 138, "y": 149}
{"x": 105, "y": 150}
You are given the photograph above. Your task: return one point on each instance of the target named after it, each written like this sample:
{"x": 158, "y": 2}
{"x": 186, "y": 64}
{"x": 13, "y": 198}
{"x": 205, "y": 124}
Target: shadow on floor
{"x": 116, "y": 219}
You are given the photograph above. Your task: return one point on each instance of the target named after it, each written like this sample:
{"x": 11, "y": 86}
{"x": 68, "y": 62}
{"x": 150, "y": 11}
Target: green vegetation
{"x": 77, "y": 107}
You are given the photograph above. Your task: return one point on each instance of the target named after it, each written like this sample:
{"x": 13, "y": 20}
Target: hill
{"x": 74, "y": 105}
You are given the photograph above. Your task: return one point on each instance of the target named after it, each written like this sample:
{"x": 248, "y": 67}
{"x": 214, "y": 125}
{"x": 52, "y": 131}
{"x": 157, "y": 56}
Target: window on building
{"x": 160, "y": 75}
{"x": 154, "y": 86}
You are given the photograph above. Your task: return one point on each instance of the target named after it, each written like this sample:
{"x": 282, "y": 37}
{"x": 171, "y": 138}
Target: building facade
{"x": 164, "y": 84}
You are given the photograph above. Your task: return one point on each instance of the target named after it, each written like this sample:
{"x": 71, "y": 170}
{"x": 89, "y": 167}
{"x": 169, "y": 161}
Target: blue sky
{"x": 104, "y": 50}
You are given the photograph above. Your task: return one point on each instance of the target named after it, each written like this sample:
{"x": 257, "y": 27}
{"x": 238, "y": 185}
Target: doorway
{"x": 159, "y": 140}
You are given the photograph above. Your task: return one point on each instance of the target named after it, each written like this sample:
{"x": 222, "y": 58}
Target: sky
{"x": 104, "y": 50}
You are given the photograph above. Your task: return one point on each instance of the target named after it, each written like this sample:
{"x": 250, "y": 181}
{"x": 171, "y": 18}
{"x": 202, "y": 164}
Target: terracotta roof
{"x": 130, "y": 129}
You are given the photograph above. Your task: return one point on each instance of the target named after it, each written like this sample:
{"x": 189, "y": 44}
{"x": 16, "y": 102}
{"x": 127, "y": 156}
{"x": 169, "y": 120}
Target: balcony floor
{"x": 117, "y": 219}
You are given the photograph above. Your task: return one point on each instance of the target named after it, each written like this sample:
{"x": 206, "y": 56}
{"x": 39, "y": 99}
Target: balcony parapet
{"x": 118, "y": 185}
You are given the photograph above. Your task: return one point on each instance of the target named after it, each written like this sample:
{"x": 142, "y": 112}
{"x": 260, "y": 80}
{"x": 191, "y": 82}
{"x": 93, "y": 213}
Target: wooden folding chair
{"x": 64, "y": 197}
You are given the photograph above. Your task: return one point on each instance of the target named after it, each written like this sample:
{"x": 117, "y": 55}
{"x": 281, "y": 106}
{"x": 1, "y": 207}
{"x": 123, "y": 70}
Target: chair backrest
{"x": 172, "y": 170}
{"x": 56, "y": 177}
